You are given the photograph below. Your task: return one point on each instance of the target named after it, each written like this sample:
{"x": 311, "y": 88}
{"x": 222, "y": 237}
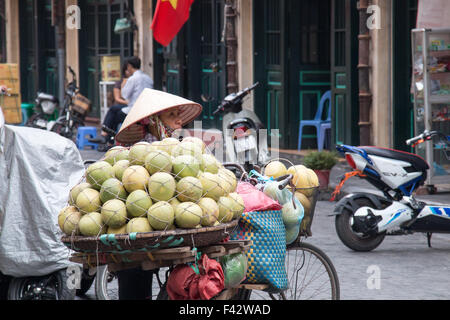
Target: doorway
{"x": 405, "y": 16}
{"x": 38, "y": 69}
{"x": 97, "y": 38}
{"x": 206, "y": 54}
{"x": 292, "y": 64}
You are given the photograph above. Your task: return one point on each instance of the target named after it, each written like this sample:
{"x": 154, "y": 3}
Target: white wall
{"x": 381, "y": 77}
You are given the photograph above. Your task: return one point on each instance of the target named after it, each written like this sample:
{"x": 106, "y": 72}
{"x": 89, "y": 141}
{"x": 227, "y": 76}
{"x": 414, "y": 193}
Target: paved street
{"x": 407, "y": 268}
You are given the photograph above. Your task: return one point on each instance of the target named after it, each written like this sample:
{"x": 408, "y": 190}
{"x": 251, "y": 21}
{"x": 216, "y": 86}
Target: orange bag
{"x": 186, "y": 282}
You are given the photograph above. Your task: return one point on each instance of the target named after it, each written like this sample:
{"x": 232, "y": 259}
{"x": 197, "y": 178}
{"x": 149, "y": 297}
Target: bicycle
{"x": 311, "y": 274}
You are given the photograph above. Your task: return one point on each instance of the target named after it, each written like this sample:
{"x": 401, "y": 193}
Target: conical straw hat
{"x": 152, "y": 102}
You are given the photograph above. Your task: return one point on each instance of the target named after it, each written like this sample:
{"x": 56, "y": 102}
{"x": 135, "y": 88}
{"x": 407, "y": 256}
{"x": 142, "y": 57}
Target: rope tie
{"x": 347, "y": 176}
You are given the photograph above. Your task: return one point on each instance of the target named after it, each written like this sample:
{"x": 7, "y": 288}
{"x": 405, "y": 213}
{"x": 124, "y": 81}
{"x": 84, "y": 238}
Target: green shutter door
{"x": 405, "y": 13}
{"x": 206, "y": 53}
{"x": 292, "y": 63}
{"x": 97, "y": 38}
{"x": 344, "y": 80}
{"x": 309, "y": 65}
{"x": 37, "y": 49}
{"x": 269, "y": 51}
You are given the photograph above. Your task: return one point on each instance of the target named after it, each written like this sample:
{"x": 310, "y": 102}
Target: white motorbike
{"x": 245, "y": 142}
{"x": 363, "y": 220}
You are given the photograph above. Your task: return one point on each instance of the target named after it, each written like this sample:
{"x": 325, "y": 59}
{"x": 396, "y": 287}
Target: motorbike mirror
{"x": 217, "y": 110}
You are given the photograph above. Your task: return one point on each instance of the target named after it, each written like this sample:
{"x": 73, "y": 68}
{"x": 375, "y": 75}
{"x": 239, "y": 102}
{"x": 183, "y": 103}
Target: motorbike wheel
{"x": 50, "y": 287}
{"x": 59, "y": 128}
{"x": 4, "y": 285}
{"x": 86, "y": 283}
{"x": 350, "y": 238}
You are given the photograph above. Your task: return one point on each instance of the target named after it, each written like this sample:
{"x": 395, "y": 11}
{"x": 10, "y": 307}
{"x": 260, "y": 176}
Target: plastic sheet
{"x": 37, "y": 169}
{"x": 255, "y": 200}
{"x": 235, "y": 269}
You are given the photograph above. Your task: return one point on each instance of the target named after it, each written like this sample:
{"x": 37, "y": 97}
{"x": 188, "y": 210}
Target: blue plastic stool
{"x": 317, "y": 121}
{"x": 82, "y": 139}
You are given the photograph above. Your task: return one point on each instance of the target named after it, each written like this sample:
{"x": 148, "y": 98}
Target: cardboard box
{"x": 11, "y": 106}
{"x": 9, "y": 71}
{"x": 111, "y": 68}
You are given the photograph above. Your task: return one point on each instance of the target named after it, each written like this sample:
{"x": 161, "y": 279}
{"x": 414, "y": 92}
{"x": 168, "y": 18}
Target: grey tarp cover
{"x": 37, "y": 171}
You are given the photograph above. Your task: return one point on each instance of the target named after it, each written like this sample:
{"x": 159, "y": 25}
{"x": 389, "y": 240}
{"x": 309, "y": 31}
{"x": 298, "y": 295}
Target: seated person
{"x": 131, "y": 88}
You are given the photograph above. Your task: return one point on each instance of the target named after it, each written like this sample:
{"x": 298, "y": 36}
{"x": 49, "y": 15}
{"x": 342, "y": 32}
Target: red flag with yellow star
{"x": 169, "y": 17}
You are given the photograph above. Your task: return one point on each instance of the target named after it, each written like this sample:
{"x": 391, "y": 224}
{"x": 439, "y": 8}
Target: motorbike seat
{"x": 46, "y": 96}
{"x": 416, "y": 161}
{"x": 239, "y": 121}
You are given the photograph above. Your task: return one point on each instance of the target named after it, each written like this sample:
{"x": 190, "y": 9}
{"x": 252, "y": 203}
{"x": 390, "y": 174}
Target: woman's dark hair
{"x": 124, "y": 68}
{"x": 135, "y": 62}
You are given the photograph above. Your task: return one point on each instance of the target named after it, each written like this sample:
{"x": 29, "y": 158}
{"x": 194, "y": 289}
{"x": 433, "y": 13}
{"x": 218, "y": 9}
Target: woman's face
{"x": 171, "y": 118}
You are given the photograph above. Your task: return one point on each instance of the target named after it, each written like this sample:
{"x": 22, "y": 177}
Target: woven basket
{"x": 149, "y": 241}
{"x": 81, "y": 104}
{"x": 305, "y": 227}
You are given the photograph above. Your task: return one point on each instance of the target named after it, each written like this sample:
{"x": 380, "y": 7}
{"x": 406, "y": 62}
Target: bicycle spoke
{"x": 309, "y": 278}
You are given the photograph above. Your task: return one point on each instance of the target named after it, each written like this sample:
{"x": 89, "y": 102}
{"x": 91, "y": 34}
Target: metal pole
{"x": 427, "y": 107}
{"x": 60, "y": 40}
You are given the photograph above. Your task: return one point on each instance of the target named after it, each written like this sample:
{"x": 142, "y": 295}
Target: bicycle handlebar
{"x": 425, "y": 136}
{"x": 284, "y": 181}
{"x": 414, "y": 140}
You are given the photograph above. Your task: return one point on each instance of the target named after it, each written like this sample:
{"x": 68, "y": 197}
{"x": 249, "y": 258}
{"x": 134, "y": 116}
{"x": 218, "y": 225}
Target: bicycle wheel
{"x": 311, "y": 276}
{"x": 107, "y": 284}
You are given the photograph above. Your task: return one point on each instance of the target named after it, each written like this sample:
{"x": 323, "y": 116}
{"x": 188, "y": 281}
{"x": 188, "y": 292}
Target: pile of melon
{"x": 160, "y": 186}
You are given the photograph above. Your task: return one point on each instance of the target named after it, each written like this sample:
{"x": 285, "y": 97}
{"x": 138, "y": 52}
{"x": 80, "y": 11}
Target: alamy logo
{"x": 374, "y": 280}
{"x": 73, "y": 20}
{"x": 374, "y": 21}
{"x": 73, "y": 277}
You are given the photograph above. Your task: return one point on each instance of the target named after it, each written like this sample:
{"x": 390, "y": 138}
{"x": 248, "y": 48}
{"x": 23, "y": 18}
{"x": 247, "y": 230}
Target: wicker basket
{"x": 311, "y": 193}
{"x": 305, "y": 227}
{"x": 149, "y": 241}
{"x": 81, "y": 104}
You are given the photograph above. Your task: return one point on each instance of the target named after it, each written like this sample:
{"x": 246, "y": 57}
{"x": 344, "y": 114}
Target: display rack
{"x": 105, "y": 87}
{"x": 431, "y": 87}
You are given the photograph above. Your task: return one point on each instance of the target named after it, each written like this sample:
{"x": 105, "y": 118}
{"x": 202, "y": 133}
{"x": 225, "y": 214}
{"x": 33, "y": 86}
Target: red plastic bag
{"x": 255, "y": 200}
{"x": 185, "y": 283}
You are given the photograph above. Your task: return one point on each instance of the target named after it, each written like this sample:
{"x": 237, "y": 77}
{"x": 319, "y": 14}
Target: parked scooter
{"x": 364, "y": 219}
{"x": 243, "y": 142}
{"x": 70, "y": 117}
